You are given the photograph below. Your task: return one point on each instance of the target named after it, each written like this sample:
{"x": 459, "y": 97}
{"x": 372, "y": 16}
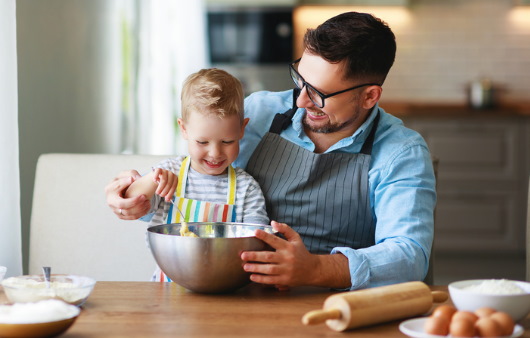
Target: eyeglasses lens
{"x": 296, "y": 78}
{"x": 315, "y": 97}
{"x": 300, "y": 83}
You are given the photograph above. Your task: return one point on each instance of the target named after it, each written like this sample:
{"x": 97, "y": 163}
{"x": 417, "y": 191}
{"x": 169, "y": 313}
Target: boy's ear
{"x": 245, "y": 122}
{"x": 182, "y": 126}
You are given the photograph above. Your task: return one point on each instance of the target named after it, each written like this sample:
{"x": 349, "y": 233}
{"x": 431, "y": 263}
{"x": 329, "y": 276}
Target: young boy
{"x": 204, "y": 184}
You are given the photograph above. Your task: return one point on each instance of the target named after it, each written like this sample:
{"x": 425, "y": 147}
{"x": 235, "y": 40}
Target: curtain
{"x": 165, "y": 42}
{"x": 10, "y": 232}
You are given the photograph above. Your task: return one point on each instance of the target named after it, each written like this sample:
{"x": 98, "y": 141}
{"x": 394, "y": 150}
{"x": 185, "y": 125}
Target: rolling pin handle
{"x": 320, "y": 316}
{"x": 439, "y": 296}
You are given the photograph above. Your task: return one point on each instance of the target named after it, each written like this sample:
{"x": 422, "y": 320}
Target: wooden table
{"x": 149, "y": 309}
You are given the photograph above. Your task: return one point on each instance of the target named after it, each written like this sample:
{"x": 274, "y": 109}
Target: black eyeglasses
{"x": 317, "y": 97}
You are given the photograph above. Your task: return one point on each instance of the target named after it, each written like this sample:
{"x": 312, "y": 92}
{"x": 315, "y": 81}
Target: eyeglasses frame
{"x": 322, "y": 96}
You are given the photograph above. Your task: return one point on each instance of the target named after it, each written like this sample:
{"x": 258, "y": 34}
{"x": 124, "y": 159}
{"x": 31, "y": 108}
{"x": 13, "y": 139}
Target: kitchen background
{"x": 71, "y": 100}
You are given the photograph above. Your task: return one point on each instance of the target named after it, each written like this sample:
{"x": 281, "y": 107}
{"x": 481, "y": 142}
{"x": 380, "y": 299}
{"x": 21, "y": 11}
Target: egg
{"x": 488, "y": 327}
{"x": 505, "y": 321}
{"x": 462, "y": 327}
{"x": 484, "y": 312}
{"x": 465, "y": 315}
{"x": 437, "y": 326}
{"x": 445, "y": 311}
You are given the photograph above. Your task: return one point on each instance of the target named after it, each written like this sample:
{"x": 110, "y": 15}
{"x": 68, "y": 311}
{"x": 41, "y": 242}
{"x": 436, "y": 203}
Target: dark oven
{"x": 253, "y": 43}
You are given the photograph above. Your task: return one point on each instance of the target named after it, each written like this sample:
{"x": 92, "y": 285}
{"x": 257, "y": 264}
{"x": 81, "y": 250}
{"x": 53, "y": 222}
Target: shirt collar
{"x": 358, "y": 137}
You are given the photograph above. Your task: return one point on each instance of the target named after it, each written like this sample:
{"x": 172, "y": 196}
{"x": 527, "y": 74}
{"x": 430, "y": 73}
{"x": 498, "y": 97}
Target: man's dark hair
{"x": 365, "y": 42}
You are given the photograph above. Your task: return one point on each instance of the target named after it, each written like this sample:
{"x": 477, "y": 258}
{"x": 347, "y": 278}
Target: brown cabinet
{"x": 482, "y": 180}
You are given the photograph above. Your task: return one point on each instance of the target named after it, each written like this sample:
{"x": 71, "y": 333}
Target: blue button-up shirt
{"x": 401, "y": 181}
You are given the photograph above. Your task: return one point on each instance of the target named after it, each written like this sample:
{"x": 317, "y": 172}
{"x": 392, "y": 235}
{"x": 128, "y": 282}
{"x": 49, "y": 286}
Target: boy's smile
{"x": 213, "y": 142}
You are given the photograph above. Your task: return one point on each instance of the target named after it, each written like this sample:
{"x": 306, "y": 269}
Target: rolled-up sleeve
{"x": 403, "y": 196}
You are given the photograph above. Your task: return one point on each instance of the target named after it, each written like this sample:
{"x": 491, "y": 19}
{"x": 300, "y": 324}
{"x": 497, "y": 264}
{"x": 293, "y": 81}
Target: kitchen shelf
{"x": 443, "y": 110}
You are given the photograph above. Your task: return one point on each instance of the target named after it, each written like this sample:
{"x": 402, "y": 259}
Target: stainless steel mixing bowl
{"x": 209, "y": 263}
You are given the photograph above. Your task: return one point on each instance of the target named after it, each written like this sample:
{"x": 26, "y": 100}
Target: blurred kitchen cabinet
{"x": 356, "y": 2}
{"x": 482, "y": 181}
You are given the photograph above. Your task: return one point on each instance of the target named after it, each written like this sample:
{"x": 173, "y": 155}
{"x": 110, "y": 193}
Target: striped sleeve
{"x": 250, "y": 199}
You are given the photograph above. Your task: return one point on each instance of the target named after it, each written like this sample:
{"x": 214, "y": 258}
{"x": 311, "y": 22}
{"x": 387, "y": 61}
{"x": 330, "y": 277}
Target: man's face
{"x": 341, "y": 113}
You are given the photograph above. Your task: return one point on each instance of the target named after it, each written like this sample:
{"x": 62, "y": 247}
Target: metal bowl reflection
{"x": 209, "y": 263}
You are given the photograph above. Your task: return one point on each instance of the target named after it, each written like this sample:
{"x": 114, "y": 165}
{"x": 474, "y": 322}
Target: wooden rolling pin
{"x": 354, "y": 309}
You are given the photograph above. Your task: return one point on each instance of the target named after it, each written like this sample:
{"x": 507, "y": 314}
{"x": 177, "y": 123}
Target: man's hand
{"x": 292, "y": 264}
{"x": 289, "y": 265}
{"x": 125, "y": 208}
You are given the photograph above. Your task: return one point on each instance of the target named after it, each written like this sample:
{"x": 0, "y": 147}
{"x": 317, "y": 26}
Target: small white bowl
{"x": 517, "y": 305}
{"x": 47, "y": 318}
{"x": 33, "y": 288}
{"x": 36, "y": 330}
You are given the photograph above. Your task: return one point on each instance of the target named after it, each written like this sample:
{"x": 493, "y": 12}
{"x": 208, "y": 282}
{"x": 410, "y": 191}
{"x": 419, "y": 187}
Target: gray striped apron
{"x": 324, "y": 197}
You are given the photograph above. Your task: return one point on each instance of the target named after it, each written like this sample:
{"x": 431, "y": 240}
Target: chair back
{"x": 73, "y": 230}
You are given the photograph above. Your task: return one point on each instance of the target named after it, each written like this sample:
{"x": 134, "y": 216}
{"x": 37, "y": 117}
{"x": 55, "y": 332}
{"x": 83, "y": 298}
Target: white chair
{"x": 74, "y": 231}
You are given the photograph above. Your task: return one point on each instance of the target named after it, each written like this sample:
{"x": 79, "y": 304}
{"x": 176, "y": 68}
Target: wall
{"x": 448, "y": 43}
{"x": 445, "y": 44}
{"x": 67, "y": 56}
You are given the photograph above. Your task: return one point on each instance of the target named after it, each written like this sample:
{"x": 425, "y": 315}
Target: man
{"x": 356, "y": 186}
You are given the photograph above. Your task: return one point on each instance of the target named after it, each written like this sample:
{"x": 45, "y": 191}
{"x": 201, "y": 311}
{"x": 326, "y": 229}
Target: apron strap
{"x": 369, "y": 142}
{"x": 282, "y": 121}
{"x": 183, "y": 177}
{"x": 231, "y": 198}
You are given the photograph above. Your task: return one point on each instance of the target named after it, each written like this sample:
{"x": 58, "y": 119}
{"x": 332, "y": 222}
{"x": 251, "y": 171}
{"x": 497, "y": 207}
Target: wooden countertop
{"x": 401, "y": 109}
{"x": 149, "y": 309}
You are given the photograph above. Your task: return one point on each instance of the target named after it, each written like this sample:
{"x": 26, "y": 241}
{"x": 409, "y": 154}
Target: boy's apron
{"x": 199, "y": 211}
{"x": 324, "y": 197}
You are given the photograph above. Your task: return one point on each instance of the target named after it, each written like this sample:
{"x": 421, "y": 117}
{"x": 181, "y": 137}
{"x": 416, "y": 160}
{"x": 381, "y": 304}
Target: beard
{"x": 329, "y": 127}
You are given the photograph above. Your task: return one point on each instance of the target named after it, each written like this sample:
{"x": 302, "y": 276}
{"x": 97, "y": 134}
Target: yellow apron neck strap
{"x": 183, "y": 177}
{"x": 231, "y": 185}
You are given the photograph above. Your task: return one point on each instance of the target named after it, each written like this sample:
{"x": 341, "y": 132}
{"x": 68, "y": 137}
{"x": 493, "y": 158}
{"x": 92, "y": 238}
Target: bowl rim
{"x": 267, "y": 228}
{"x": 458, "y": 285}
{"x": 88, "y": 282}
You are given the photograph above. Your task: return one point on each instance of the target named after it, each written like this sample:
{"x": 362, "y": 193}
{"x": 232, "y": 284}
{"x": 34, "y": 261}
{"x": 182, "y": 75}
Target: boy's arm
{"x": 145, "y": 185}
{"x": 160, "y": 181}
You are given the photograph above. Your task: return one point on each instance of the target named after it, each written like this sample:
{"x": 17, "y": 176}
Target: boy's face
{"x": 213, "y": 142}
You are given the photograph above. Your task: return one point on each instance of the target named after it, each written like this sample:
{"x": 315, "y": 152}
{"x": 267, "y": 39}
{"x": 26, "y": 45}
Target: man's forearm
{"x": 333, "y": 271}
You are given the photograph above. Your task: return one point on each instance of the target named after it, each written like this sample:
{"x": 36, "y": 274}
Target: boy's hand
{"x": 167, "y": 183}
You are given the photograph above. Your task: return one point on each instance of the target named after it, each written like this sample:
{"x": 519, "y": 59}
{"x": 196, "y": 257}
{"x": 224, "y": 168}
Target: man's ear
{"x": 182, "y": 126}
{"x": 372, "y": 94}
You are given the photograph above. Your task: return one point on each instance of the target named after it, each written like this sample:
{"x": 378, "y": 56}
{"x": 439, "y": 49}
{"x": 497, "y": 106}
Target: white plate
{"x": 414, "y": 328}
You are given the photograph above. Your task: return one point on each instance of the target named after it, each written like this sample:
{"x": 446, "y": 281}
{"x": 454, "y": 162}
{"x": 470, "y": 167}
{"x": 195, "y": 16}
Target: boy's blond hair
{"x": 212, "y": 91}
